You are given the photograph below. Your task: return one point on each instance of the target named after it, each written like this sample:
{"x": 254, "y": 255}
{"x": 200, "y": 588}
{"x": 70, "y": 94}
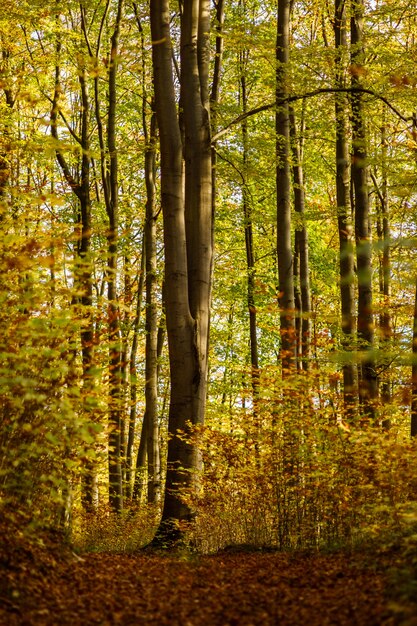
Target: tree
{"x": 9, "y": 103}
{"x": 368, "y": 388}
{"x": 83, "y": 268}
{"x": 413, "y": 429}
{"x": 248, "y": 230}
{"x": 283, "y": 184}
{"x": 109, "y": 167}
{"x": 385, "y": 269}
{"x": 110, "y": 186}
{"x": 301, "y": 260}
{"x": 344, "y": 219}
{"x": 187, "y": 216}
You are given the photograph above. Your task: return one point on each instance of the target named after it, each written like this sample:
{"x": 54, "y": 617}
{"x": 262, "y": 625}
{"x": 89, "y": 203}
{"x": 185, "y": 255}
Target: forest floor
{"x": 44, "y": 585}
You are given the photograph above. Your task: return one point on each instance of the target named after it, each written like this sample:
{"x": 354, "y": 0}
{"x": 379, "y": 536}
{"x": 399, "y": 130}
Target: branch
{"x": 84, "y": 29}
{"x": 309, "y": 94}
{"x": 223, "y": 158}
{"x": 70, "y": 130}
{"x": 102, "y": 24}
{"x": 54, "y": 130}
{"x": 377, "y": 189}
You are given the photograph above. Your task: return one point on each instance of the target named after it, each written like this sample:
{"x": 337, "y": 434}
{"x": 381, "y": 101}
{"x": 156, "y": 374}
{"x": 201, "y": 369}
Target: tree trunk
{"x": 302, "y": 302}
{"x": 5, "y": 134}
{"x": 344, "y": 220}
{"x": 413, "y": 430}
{"x": 368, "y": 388}
{"x": 187, "y": 216}
{"x": 133, "y": 380}
{"x": 384, "y": 236}
{"x": 83, "y": 270}
{"x": 151, "y": 323}
{"x": 109, "y": 180}
{"x": 248, "y": 230}
{"x": 115, "y": 347}
{"x": 283, "y": 184}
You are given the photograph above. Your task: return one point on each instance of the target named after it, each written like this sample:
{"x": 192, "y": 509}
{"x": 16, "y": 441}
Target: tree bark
{"x": 83, "y": 269}
{"x": 283, "y": 185}
{"x": 368, "y": 388}
{"x": 344, "y": 219}
{"x": 248, "y": 231}
{"x": 302, "y": 300}
{"x": 109, "y": 180}
{"x": 384, "y": 237}
{"x": 151, "y": 323}
{"x": 187, "y": 216}
{"x": 413, "y": 429}
{"x": 5, "y": 131}
{"x": 115, "y": 347}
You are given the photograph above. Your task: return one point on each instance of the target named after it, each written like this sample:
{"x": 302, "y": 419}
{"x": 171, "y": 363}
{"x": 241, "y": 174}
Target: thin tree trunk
{"x": 151, "y": 323}
{"x": 141, "y": 462}
{"x": 83, "y": 271}
{"x": 109, "y": 180}
{"x": 5, "y": 131}
{"x": 133, "y": 382}
{"x": 215, "y": 85}
{"x": 115, "y": 348}
{"x": 384, "y": 236}
{"x": 413, "y": 430}
{"x": 150, "y": 426}
{"x": 344, "y": 220}
{"x": 368, "y": 388}
{"x": 142, "y": 455}
{"x": 248, "y": 230}
{"x": 301, "y": 253}
{"x": 283, "y": 184}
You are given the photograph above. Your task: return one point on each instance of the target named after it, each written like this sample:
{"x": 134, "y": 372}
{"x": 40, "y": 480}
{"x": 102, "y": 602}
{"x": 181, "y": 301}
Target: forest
{"x": 208, "y": 283}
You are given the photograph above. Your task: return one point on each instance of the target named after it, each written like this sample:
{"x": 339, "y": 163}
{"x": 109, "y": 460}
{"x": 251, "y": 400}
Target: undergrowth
{"x": 106, "y": 531}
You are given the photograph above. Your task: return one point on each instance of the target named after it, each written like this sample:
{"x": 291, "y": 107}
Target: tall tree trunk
{"x": 248, "y": 230}
{"x": 133, "y": 380}
{"x": 142, "y": 454}
{"x": 283, "y": 184}
{"x": 215, "y": 94}
{"x": 302, "y": 301}
{"x": 115, "y": 347}
{"x": 413, "y": 430}
{"x": 151, "y": 322}
{"x": 83, "y": 270}
{"x": 109, "y": 180}
{"x": 368, "y": 388}
{"x": 384, "y": 236}
{"x": 187, "y": 215}
{"x": 344, "y": 220}
{"x": 5, "y": 130}
{"x": 150, "y": 427}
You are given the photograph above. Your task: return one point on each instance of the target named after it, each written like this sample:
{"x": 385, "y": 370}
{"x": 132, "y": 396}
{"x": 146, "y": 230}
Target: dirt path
{"x": 223, "y": 590}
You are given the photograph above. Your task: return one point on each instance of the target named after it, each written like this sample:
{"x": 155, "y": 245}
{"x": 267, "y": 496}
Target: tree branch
{"x": 54, "y": 130}
{"x": 309, "y": 94}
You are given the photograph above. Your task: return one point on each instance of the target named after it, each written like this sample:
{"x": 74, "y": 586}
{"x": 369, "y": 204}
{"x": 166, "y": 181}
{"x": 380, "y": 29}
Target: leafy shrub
{"x": 106, "y": 531}
{"x": 302, "y": 482}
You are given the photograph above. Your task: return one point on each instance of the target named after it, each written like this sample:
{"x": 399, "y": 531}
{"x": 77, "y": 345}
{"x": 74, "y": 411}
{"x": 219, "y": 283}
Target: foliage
{"x": 294, "y": 476}
{"x": 106, "y": 531}
{"x": 45, "y": 437}
{"x": 283, "y": 466}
